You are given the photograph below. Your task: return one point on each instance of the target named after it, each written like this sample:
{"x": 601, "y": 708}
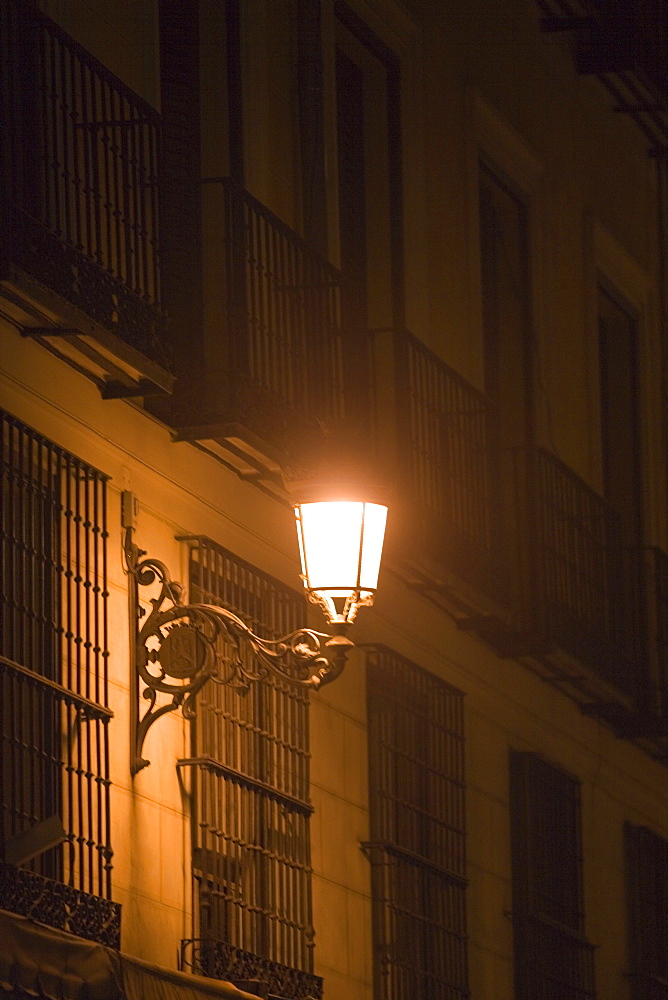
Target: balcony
{"x": 274, "y": 366}
{"x": 79, "y": 267}
{"x": 585, "y": 588}
{"x": 448, "y": 481}
{"x": 517, "y": 547}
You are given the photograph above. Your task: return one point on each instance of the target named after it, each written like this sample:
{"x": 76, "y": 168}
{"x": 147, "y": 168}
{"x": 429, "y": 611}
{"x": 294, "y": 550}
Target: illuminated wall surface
{"x": 250, "y": 242}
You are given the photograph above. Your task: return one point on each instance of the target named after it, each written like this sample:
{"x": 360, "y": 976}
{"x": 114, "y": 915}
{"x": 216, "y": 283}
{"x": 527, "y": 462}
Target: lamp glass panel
{"x": 375, "y": 516}
{"x": 330, "y": 541}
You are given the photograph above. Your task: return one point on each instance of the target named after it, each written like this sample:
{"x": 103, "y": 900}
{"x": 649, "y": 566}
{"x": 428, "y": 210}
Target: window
{"x": 553, "y": 959}
{"x": 506, "y": 305}
{"x": 251, "y": 811}
{"x": 368, "y": 137}
{"x": 506, "y": 328}
{"x": 620, "y": 447}
{"x": 647, "y": 866}
{"x": 417, "y": 848}
{"x": 54, "y": 782}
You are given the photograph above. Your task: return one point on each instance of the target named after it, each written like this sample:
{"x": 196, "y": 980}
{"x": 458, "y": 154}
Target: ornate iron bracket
{"x": 176, "y": 647}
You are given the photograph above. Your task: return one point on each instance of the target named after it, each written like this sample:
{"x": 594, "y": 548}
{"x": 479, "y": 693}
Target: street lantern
{"x": 340, "y": 544}
{"x": 177, "y": 647}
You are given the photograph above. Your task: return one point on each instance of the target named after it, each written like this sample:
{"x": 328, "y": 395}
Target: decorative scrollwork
{"x": 220, "y": 960}
{"x": 61, "y": 906}
{"x": 180, "y": 647}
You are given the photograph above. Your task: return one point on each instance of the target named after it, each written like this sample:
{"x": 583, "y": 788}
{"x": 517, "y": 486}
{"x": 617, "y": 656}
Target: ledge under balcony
{"x": 79, "y": 266}
{"x": 277, "y": 370}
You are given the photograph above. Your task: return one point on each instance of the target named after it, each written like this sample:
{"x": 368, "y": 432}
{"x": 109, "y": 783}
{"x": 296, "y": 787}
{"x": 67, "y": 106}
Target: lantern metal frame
{"x": 175, "y": 646}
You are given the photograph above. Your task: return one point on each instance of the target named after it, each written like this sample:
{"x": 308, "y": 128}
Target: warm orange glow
{"x": 340, "y": 543}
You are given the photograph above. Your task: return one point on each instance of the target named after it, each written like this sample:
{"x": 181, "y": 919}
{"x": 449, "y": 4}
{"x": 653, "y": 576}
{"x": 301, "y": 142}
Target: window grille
{"x": 53, "y": 663}
{"x": 417, "y": 848}
{"x": 553, "y": 959}
{"x": 647, "y": 871}
{"x": 251, "y": 811}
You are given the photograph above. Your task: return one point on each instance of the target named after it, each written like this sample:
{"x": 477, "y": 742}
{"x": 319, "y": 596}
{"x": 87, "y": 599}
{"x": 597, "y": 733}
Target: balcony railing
{"x": 219, "y": 960}
{"x": 279, "y": 353}
{"x": 519, "y": 526}
{"x": 579, "y": 566}
{"x": 443, "y": 438}
{"x": 79, "y": 186}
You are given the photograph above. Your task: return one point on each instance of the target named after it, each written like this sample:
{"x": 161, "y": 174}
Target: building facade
{"x": 248, "y": 242}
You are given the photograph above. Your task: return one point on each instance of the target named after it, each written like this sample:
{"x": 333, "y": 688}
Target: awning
{"x": 39, "y": 961}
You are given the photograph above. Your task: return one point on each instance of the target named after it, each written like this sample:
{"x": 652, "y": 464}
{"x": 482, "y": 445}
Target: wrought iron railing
{"x": 284, "y": 354}
{"x": 62, "y": 906}
{"x": 54, "y": 765}
{"x": 79, "y": 179}
{"x": 578, "y": 571}
{"x": 444, "y": 440}
{"x": 223, "y": 961}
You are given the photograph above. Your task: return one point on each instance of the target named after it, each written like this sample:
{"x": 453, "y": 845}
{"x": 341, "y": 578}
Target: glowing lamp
{"x": 340, "y": 543}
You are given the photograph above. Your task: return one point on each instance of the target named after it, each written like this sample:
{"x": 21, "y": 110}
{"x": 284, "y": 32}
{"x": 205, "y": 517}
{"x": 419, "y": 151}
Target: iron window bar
{"x": 251, "y": 783}
{"x": 372, "y": 848}
{"x": 88, "y": 709}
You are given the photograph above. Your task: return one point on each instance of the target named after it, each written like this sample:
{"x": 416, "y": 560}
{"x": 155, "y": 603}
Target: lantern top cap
{"x": 331, "y": 490}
